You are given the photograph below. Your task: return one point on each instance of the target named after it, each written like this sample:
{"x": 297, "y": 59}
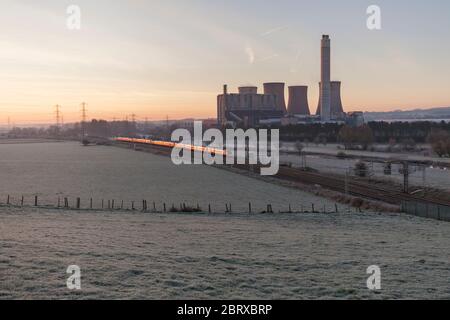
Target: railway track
{"x": 355, "y": 188}
{"x": 331, "y": 182}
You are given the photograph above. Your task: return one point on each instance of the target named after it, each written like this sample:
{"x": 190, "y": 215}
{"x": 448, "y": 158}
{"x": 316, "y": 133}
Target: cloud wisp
{"x": 273, "y": 30}
{"x": 250, "y": 54}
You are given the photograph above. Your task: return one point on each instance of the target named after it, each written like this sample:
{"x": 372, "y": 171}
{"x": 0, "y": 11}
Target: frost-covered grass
{"x": 69, "y": 170}
{"x": 193, "y": 256}
{"x": 182, "y": 256}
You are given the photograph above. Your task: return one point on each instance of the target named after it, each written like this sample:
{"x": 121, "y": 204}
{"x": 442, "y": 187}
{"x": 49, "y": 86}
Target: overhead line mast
{"x": 58, "y": 115}
{"x": 83, "y": 119}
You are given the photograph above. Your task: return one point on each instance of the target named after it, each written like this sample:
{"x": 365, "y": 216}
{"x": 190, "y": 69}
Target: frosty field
{"x": 148, "y": 256}
{"x": 52, "y": 170}
{"x": 133, "y": 255}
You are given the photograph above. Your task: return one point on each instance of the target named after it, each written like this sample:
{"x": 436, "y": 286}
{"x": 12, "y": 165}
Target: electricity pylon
{"x": 58, "y": 115}
{"x": 83, "y": 112}
{"x": 83, "y": 119}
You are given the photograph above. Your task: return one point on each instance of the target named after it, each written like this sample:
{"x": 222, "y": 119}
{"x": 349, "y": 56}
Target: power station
{"x": 249, "y": 108}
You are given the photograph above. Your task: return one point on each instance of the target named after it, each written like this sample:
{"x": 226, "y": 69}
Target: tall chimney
{"x": 222, "y": 106}
{"x": 225, "y": 97}
{"x": 325, "y": 88}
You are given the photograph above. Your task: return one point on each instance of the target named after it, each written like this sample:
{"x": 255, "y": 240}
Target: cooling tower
{"x": 248, "y": 90}
{"x": 336, "y": 103}
{"x": 276, "y": 88}
{"x": 325, "y": 88}
{"x": 298, "y": 100}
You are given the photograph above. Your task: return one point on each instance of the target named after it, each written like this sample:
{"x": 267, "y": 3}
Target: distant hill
{"x": 417, "y": 114}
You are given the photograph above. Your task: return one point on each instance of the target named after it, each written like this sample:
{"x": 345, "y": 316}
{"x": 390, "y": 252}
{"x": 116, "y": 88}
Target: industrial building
{"x": 250, "y": 108}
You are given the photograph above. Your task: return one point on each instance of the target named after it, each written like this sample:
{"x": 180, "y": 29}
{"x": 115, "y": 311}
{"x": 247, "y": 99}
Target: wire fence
{"x": 427, "y": 210}
{"x": 112, "y": 205}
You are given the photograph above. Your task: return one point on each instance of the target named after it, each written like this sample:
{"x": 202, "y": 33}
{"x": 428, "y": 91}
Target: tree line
{"x": 405, "y": 134}
{"x": 94, "y": 128}
{"x": 383, "y": 132}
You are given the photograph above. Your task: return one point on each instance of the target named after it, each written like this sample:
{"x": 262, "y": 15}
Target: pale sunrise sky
{"x": 157, "y": 58}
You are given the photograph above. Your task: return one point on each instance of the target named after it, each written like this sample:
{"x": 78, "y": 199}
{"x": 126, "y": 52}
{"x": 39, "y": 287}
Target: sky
{"x": 171, "y": 58}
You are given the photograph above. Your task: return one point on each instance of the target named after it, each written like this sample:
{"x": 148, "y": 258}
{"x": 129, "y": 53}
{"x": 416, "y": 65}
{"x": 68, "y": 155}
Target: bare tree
{"x": 440, "y": 142}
